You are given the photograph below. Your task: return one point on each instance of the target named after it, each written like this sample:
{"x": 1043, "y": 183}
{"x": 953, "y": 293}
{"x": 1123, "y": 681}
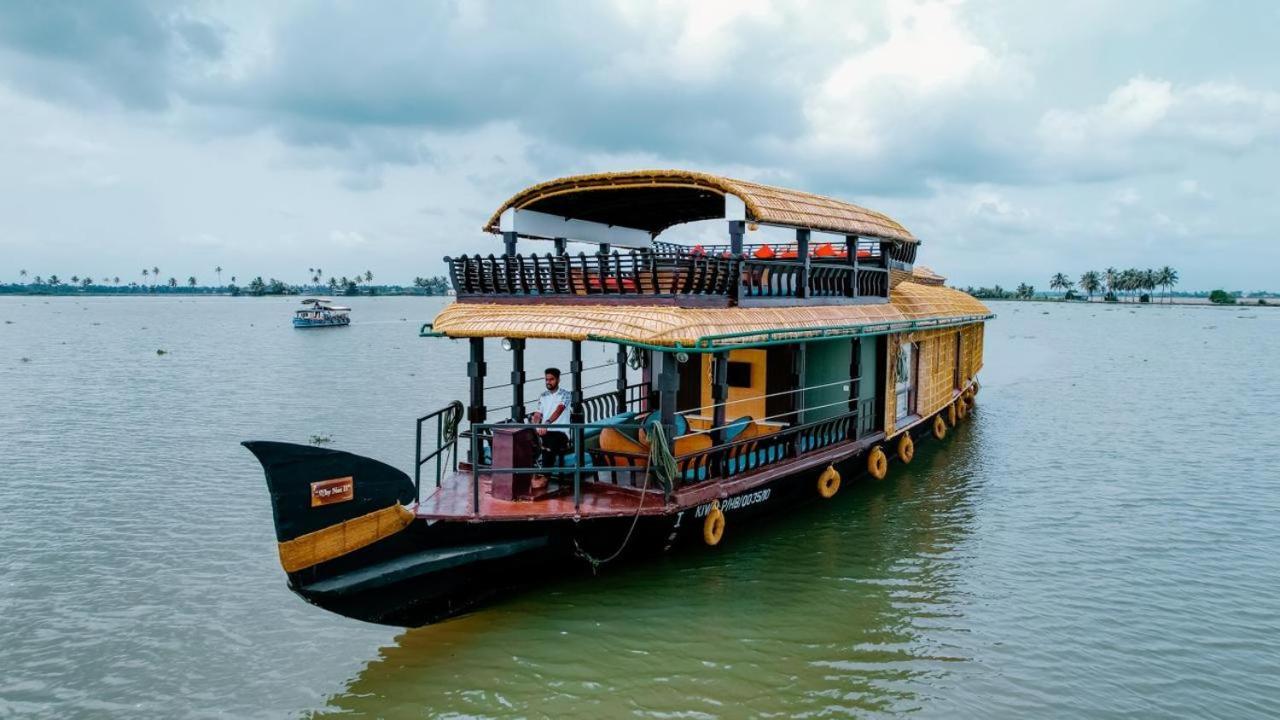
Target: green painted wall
{"x": 826, "y": 363}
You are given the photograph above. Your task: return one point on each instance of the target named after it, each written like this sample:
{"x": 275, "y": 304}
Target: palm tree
{"x": 115, "y": 280}
{"x": 368, "y": 276}
{"x": 1060, "y": 282}
{"x": 75, "y": 279}
{"x": 86, "y": 281}
{"x": 53, "y": 280}
{"x": 1111, "y": 277}
{"x": 1168, "y": 278}
{"x": 218, "y": 270}
{"x": 22, "y": 274}
{"x": 1090, "y": 282}
{"x": 191, "y": 281}
{"x": 145, "y": 273}
{"x": 233, "y": 279}
{"x": 173, "y": 282}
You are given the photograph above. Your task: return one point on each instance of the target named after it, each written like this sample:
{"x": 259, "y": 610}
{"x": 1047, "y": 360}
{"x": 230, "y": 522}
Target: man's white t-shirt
{"x": 552, "y": 399}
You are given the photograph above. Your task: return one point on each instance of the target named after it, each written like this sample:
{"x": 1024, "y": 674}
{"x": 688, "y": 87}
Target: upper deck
{"x": 623, "y": 214}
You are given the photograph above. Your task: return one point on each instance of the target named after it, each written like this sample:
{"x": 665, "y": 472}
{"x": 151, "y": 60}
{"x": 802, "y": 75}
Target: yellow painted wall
{"x": 742, "y": 401}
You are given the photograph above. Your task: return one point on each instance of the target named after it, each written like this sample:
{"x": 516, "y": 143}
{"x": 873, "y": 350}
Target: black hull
{"x": 496, "y": 557}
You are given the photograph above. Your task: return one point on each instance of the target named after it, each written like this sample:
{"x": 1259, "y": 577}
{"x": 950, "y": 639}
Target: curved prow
{"x": 328, "y": 503}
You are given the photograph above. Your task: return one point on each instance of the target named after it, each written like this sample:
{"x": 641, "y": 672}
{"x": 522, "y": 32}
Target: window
{"x": 739, "y": 375}
{"x": 905, "y": 380}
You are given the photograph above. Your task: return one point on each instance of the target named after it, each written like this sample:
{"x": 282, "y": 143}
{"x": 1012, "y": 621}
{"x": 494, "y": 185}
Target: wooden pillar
{"x": 622, "y": 378}
{"x": 509, "y": 243}
{"x": 885, "y": 249}
{"x": 736, "y": 230}
{"x": 576, "y": 414}
{"x": 517, "y": 379}
{"x": 802, "y": 253}
{"x": 719, "y": 394}
{"x": 476, "y": 371}
{"x": 668, "y": 385}
{"x": 851, "y": 255}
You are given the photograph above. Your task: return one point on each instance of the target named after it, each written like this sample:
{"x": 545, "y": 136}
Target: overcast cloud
{"x": 1016, "y": 139}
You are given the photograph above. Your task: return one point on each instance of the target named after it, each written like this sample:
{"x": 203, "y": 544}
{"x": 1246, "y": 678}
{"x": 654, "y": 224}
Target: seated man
{"x": 553, "y": 409}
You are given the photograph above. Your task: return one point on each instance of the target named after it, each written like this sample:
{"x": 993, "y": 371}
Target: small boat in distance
{"x": 318, "y": 312}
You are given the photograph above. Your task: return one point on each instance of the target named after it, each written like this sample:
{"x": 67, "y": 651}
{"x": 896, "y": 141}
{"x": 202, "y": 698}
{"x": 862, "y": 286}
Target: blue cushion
{"x": 735, "y": 428}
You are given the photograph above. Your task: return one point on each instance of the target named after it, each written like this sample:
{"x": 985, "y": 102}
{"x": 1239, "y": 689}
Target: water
{"x": 1100, "y": 540}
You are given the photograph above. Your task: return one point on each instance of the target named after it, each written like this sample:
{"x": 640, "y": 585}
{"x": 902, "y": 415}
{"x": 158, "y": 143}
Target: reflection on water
{"x": 1100, "y": 540}
{"x": 851, "y": 604}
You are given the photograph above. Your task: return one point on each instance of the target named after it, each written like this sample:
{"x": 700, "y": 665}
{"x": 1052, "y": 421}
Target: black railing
{"x": 447, "y": 420}
{"x": 604, "y": 405}
{"x": 618, "y": 274}
{"x": 711, "y": 276}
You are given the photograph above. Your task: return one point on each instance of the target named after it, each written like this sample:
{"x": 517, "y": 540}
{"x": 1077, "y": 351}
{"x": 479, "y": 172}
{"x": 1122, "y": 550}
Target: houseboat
{"x": 319, "y": 312}
{"x": 743, "y": 376}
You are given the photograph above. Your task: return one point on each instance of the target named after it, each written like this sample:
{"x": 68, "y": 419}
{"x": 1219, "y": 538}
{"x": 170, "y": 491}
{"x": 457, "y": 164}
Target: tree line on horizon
{"x": 1116, "y": 283}
{"x": 151, "y": 283}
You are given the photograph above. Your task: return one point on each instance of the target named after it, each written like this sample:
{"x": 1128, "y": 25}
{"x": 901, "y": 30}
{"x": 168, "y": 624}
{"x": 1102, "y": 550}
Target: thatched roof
{"x": 665, "y": 325}
{"x": 654, "y": 200}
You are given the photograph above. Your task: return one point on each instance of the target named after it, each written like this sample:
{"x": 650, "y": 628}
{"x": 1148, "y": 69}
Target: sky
{"x": 1016, "y": 139}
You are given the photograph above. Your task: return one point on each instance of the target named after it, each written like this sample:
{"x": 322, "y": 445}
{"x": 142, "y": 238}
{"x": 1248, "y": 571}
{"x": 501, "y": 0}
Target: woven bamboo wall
{"x": 971, "y": 350}
{"x": 936, "y": 368}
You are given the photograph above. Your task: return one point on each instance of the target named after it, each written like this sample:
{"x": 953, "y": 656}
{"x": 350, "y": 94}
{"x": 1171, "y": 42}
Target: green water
{"x": 1100, "y": 540}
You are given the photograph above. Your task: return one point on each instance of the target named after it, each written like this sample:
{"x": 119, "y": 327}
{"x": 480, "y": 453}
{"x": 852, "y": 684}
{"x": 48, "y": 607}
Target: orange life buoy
{"x": 906, "y": 448}
{"x": 877, "y": 463}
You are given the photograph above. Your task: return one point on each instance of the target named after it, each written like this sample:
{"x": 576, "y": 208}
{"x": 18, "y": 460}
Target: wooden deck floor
{"x": 453, "y": 500}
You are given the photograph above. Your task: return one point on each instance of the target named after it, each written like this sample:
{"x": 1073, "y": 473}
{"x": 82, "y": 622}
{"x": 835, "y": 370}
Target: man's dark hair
{"x": 552, "y": 371}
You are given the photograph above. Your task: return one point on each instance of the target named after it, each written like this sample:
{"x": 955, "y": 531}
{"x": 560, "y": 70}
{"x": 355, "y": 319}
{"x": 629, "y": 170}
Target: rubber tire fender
{"x": 877, "y": 463}
{"x": 939, "y": 427}
{"x": 906, "y": 448}
{"x": 829, "y": 482}
{"x": 713, "y": 526}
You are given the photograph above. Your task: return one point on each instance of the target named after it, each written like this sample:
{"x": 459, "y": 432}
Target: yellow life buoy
{"x": 951, "y": 414}
{"x": 939, "y": 427}
{"x": 877, "y": 463}
{"x": 713, "y": 526}
{"x": 906, "y": 448}
{"x": 829, "y": 482}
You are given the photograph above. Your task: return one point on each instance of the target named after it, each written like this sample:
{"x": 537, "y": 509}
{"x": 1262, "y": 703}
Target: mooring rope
{"x": 660, "y": 457}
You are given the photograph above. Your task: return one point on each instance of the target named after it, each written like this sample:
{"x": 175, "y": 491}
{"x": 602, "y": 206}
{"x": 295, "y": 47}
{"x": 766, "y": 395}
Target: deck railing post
{"x": 577, "y": 467}
{"x": 575, "y": 369}
{"x": 622, "y": 378}
{"x": 439, "y": 440}
{"x": 509, "y": 243}
{"x": 737, "y": 228}
{"x": 476, "y": 372}
{"x": 517, "y": 379}
{"x": 719, "y": 395}
{"x": 668, "y": 385}
{"x": 802, "y": 253}
{"x": 851, "y": 254}
{"x": 855, "y": 385}
{"x": 475, "y": 465}
{"x": 798, "y": 356}
{"x": 417, "y": 462}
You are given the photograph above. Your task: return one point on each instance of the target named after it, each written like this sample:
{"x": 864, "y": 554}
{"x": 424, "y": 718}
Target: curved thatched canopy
{"x": 654, "y": 200}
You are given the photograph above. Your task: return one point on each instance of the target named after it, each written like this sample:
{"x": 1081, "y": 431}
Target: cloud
{"x": 1149, "y": 124}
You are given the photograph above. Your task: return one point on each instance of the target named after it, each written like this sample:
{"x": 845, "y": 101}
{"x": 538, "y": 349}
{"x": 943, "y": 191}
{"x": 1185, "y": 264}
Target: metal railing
{"x": 447, "y": 420}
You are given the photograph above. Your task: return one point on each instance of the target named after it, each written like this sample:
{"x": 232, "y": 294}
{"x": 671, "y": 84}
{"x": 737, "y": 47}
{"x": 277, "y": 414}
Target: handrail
{"x": 447, "y": 420}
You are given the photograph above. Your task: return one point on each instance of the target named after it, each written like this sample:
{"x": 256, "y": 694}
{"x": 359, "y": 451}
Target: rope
{"x": 661, "y": 460}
